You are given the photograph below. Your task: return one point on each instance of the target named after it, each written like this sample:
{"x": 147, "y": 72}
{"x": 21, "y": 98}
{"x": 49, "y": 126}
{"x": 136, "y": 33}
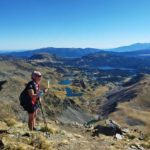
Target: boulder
{"x": 111, "y": 128}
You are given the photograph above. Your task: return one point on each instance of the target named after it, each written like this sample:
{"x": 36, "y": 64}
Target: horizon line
{"x": 104, "y": 48}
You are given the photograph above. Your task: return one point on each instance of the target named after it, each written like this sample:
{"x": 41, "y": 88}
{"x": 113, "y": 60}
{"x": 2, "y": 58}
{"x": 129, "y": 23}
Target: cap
{"x": 35, "y": 74}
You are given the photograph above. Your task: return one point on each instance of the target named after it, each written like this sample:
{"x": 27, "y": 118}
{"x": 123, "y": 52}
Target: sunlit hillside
{"x": 72, "y": 116}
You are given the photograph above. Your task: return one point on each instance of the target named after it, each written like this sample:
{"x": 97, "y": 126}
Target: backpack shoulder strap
{"x": 31, "y": 85}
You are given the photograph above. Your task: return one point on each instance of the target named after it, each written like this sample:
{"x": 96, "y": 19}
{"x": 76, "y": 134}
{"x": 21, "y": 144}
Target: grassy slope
{"x": 18, "y": 73}
{"x": 137, "y": 111}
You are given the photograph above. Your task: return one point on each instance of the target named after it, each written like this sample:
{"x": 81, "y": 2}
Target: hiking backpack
{"x": 24, "y": 98}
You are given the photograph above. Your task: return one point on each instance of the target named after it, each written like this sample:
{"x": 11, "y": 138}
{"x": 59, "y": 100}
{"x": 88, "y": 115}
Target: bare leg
{"x": 34, "y": 119}
{"x": 31, "y": 121}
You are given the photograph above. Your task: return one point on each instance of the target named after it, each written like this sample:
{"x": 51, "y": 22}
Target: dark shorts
{"x": 32, "y": 108}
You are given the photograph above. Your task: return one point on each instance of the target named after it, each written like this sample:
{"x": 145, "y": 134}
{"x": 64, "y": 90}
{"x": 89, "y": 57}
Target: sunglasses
{"x": 39, "y": 76}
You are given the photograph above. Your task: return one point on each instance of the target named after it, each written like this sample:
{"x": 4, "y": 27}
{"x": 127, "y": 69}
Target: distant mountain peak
{"x": 132, "y": 47}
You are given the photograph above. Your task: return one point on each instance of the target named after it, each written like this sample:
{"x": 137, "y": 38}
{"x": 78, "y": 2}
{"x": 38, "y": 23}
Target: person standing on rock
{"x": 30, "y": 97}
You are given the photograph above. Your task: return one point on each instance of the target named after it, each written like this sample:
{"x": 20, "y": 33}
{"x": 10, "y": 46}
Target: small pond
{"x": 69, "y": 91}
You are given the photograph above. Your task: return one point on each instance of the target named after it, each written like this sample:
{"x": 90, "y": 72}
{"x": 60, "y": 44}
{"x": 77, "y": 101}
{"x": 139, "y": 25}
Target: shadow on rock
{"x": 4, "y": 131}
{"x": 109, "y": 131}
{"x": 1, "y": 145}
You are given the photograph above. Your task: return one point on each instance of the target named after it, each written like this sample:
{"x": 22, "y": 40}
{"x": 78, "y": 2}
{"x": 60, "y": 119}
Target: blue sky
{"x": 30, "y": 24}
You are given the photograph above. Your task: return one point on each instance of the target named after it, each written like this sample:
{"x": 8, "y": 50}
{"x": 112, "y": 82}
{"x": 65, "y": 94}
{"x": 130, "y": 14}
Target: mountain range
{"x": 61, "y": 52}
{"x": 138, "y": 49}
{"x": 88, "y": 58}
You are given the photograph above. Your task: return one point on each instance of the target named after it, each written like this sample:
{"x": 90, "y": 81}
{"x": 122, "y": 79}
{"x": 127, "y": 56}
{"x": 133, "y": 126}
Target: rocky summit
{"x": 86, "y": 108}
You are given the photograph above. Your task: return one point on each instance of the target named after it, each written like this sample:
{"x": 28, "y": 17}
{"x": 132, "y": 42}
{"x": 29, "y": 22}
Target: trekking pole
{"x": 48, "y": 82}
{"x": 44, "y": 118}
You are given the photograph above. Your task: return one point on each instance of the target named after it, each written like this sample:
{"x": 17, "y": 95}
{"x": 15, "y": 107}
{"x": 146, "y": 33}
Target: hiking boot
{"x": 35, "y": 129}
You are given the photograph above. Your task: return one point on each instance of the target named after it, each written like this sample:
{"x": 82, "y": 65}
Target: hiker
{"x": 31, "y": 97}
